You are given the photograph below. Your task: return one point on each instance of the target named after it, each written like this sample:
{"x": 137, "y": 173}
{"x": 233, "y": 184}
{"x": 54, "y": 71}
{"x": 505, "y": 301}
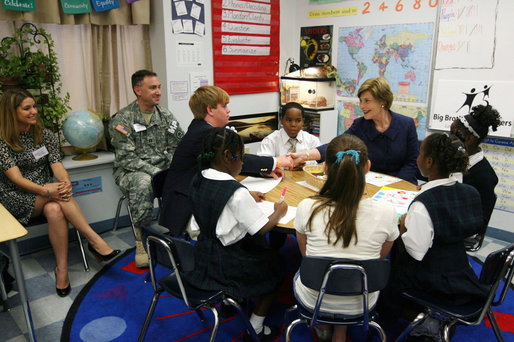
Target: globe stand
{"x": 84, "y": 156}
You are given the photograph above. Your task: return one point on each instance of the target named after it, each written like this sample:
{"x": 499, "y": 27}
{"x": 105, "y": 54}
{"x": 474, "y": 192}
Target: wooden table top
{"x": 296, "y": 192}
{"x": 11, "y": 228}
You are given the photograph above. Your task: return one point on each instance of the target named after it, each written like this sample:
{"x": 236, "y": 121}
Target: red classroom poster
{"x": 246, "y": 45}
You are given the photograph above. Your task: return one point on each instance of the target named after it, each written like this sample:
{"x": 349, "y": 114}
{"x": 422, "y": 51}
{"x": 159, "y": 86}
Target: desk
{"x": 296, "y": 192}
{"x": 10, "y": 231}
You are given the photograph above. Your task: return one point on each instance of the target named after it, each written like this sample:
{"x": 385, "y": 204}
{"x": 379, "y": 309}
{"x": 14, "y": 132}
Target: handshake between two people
{"x": 293, "y": 161}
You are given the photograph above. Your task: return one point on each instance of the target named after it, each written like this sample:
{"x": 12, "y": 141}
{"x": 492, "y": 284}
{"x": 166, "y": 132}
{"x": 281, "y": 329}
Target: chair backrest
{"x": 498, "y": 266}
{"x": 169, "y": 252}
{"x": 181, "y": 252}
{"x": 158, "y": 183}
{"x": 344, "y": 281}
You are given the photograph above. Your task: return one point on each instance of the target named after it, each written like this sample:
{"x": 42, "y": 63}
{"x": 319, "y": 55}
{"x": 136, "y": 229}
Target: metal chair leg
{"x": 494, "y": 324}
{"x": 84, "y": 257}
{"x": 379, "y": 329}
{"x": 216, "y": 324}
{"x": 290, "y": 328}
{"x": 3, "y": 294}
{"x": 288, "y": 312}
{"x": 118, "y": 209}
{"x": 418, "y": 320}
{"x": 148, "y": 316}
{"x": 243, "y": 316}
{"x": 131, "y": 221}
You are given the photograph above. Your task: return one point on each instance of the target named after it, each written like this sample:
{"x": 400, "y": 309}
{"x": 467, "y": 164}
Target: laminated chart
{"x": 399, "y": 199}
{"x": 500, "y": 154}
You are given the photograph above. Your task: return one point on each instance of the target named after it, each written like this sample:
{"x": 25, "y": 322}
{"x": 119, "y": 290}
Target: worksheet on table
{"x": 261, "y": 184}
{"x": 268, "y": 208}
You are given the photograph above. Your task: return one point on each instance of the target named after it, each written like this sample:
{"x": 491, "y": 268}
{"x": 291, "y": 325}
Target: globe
{"x": 83, "y": 130}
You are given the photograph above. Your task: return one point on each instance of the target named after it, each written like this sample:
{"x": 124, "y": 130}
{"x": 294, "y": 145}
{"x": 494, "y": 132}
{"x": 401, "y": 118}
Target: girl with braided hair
{"x": 339, "y": 222}
{"x": 230, "y": 253}
{"x": 472, "y": 129}
{"x": 430, "y": 255}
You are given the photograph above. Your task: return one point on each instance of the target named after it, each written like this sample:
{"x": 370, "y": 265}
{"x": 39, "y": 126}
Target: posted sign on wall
{"x": 246, "y": 45}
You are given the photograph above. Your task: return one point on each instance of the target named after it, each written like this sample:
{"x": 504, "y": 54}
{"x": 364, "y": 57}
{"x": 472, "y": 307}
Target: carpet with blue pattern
{"x": 113, "y": 305}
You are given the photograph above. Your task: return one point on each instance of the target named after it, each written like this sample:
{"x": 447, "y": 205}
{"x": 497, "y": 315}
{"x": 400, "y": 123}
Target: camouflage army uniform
{"x": 141, "y": 151}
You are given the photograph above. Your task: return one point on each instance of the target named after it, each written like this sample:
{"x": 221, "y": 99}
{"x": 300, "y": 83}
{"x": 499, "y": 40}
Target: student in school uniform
{"x": 339, "y": 222}
{"x": 230, "y": 254}
{"x": 430, "y": 255}
{"x": 209, "y": 105}
{"x": 290, "y": 138}
{"x": 472, "y": 129}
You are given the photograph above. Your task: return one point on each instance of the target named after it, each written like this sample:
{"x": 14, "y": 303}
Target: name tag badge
{"x": 40, "y": 152}
{"x": 139, "y": 127}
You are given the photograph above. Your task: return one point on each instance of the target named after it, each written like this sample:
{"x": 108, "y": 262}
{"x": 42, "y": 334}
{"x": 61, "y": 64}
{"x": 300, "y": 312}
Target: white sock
{"x": 257, "y": 322}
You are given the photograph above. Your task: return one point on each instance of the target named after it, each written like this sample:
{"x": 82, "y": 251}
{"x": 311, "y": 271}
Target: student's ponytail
{"x": 346, "y": 158}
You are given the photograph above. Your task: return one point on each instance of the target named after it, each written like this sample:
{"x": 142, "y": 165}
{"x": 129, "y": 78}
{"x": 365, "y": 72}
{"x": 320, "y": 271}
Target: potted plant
{"x": 12, "y": 68}
{"x": 28, "y": 57}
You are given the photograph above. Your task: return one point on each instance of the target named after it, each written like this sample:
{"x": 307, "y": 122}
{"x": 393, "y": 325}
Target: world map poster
{"x": 400, "y": 53}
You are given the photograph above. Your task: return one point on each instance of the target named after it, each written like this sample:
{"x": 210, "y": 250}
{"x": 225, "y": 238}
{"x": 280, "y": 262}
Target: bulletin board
{"x": 246, "y": 46}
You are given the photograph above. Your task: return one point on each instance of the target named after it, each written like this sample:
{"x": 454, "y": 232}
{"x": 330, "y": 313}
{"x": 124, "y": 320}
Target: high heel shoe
{"x": 61, "y": 292}
{"x": 101, "y": 257}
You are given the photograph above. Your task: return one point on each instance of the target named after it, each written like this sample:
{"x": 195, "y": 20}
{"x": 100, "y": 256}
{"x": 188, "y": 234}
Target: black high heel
{"x": 101, "y": 257}
{"x": 61, "y": 292}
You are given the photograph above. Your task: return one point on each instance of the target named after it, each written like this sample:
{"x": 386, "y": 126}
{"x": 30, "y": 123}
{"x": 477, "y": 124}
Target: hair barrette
{"x": 355, "y": 156}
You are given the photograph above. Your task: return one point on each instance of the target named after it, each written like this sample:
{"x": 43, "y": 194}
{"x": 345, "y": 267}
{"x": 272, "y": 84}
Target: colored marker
{"x": 283, "y": 195}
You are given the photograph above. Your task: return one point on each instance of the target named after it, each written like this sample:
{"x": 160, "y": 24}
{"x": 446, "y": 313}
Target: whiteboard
{"x": 466, "y": 34}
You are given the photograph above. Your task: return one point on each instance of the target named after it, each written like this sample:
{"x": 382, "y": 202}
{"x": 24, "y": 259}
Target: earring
{"x": 383, "y": 106}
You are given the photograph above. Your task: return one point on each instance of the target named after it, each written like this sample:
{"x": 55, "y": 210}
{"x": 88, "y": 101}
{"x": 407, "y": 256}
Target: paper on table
{"x": 261, "y": 184}
{"x": 268, "y": 208}
{"x": 308, "y": 186}
{"x": 400, "y": 199}
{"x": 379, "y": 179}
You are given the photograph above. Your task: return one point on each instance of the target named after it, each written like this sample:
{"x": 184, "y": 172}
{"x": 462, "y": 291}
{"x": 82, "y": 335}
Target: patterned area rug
{"x": 113, "y": 305}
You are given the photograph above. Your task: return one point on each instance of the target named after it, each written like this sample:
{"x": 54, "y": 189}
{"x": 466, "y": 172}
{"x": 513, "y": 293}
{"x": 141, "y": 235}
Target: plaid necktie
{"x": 292, "y": 148}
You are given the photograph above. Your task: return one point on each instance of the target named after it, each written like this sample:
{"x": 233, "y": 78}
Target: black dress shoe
{"x": 274, "y": 333}
{"x": 101, "y": 257}
{"x": 61, "y": 292}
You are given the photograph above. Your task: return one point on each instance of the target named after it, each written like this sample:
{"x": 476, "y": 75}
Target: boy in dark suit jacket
{"x": 209, "y": 105}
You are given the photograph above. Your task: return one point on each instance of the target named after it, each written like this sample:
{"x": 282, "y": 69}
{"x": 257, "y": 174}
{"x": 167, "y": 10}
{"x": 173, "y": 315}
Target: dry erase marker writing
{"x": 283, "y": 195}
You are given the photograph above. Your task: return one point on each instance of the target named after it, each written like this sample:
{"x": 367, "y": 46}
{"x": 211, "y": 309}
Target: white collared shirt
{"x": 277, "y": 144}
{"x": 475, "y": 158}
{"x": 241, "y": 214}
{"x": 420, "y": 229}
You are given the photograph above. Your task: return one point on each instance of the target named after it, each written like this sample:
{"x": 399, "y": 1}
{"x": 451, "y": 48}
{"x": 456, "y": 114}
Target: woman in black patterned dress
{"x": 29, "y": 158}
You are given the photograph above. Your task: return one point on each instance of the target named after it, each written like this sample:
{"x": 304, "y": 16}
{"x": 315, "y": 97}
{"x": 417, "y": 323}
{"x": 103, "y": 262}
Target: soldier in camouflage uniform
{"x": 144, "y": 136}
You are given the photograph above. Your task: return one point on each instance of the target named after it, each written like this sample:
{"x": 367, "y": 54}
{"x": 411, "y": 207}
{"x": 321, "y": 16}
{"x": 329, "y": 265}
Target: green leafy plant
{"x": 28, "y": 56}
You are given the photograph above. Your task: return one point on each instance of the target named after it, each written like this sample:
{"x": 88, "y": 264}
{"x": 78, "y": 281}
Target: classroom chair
{"x": 178, "y": 255}
{"x": 158, "y": 180}
{"x": 498, "y": 266}
{"x": 157, "y": 186}
{"x": 117, "y": 216}
{"x": 341, "y": 277}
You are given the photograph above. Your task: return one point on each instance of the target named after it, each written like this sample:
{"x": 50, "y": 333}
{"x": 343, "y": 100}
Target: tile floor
{"x": 49, "y": 310}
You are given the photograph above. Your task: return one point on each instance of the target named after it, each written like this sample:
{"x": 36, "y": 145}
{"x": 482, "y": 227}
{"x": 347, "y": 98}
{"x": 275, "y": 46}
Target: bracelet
{"x": 278, "y": 162}
{"x": 308, "y": 157}
{"x": 48, "y": 193}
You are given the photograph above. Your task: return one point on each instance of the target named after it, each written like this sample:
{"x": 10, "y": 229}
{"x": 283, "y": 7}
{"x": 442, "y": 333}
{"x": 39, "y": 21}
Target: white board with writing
{"x": 466, "y": 34}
